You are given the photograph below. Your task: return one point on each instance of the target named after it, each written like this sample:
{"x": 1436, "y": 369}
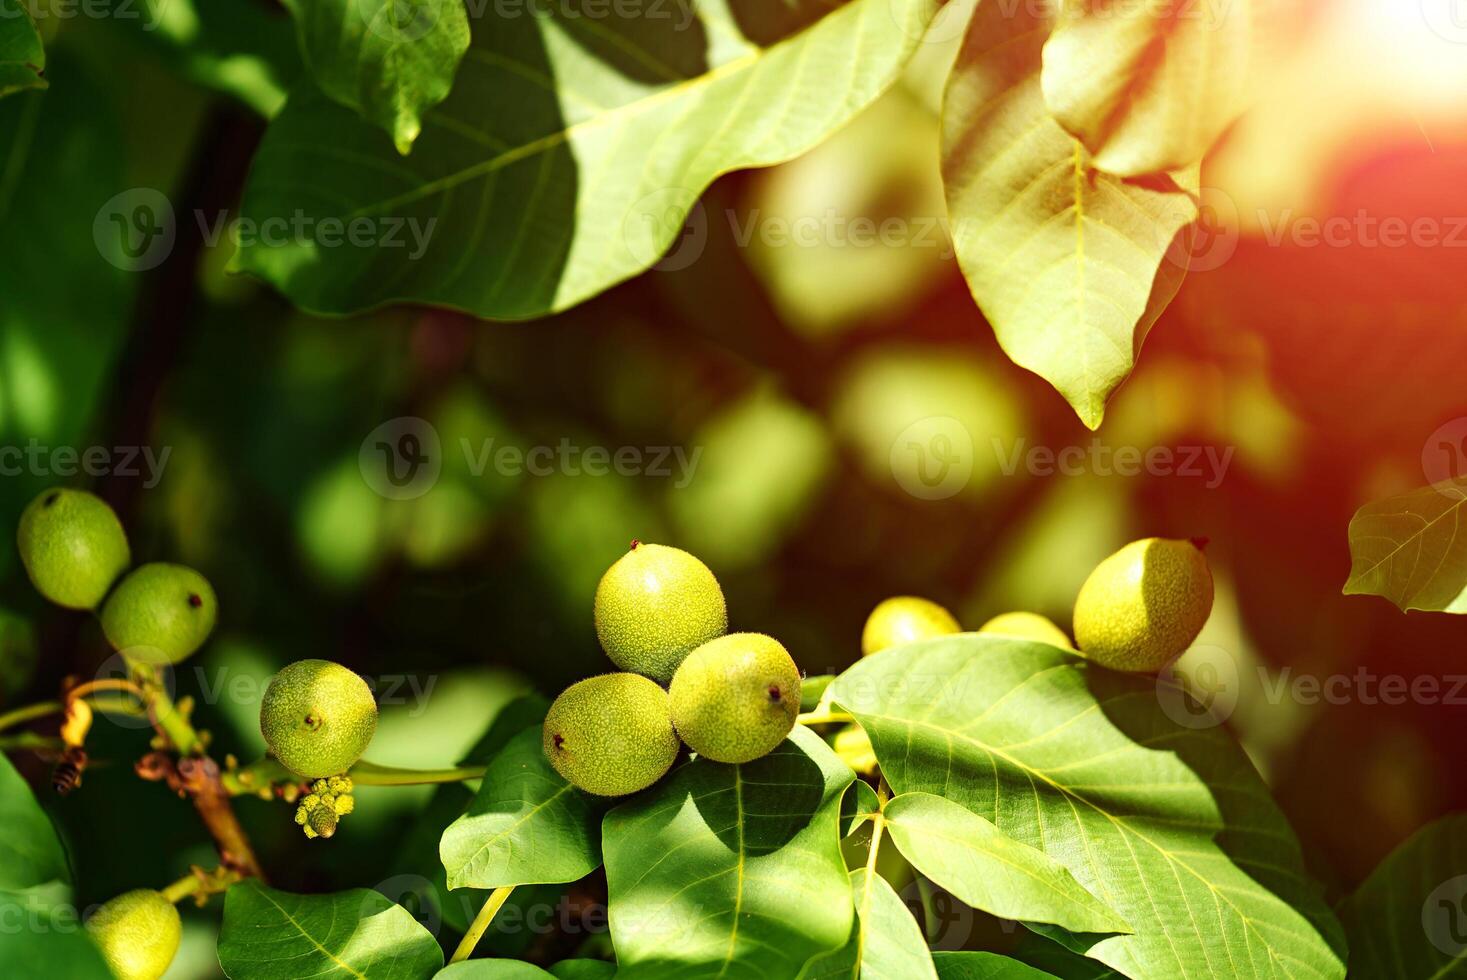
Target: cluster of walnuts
{"x": 661, "y": 617}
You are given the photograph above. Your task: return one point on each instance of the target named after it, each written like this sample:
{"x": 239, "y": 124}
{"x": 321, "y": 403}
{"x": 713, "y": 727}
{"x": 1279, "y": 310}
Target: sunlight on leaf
{"x": 1071, "y": 266}
{"x": 885, "y": 941}
{"x": 731, "y": 870}
{"x": 1412, "y": 549}
{"x": 1147, "y": 87}
{"x": 390, "y": 60}
{"x": 1169, "y": 826}
{"x": 274, "y": 935}
{"x": 568, "y": 154}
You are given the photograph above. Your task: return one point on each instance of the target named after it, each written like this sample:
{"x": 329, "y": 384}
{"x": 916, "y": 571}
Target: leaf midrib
{"x": 551, "y": 140}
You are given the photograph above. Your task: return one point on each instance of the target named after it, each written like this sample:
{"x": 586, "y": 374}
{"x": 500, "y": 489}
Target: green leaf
{"x": 42, "y": 934}
{"x": 1169, "y": 826}
{"x": 1055, "y": 960}
{"x": 1412, "y": 549}
{"x": 583, "y": 970}
{"x": 1071, "y": 266}
{"x": 885, "y": 942}
{"x": 567, "y": 155}
{"x": 51, "y": 943}
{"x": 275, "y": 935}
{"x": 812, "y": 689}
{"x": 1409, "y": 918}
{"x": 22, "y": 58}
{"x": 242, "y": 48}
{"x": 30, "y": 852}
{"x": 984, "y": 966}
{"x": 388, "y": 60}
{"x": 526, "y": 824}
{"x": 989, "y": 870}
{"x": 731, "y": 870}
{"x": 859, "y": 805}
{"x": 492, "y": 970}
{"x": 1147, "y": 87}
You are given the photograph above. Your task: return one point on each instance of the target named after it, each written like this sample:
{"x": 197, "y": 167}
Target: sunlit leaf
{"x": 525, "y": 825}
{"x": 275, "y": 935}
{"x": 568, "y": 154}
{"x": 1147, "y": 87}
{"x": 1409, "y": 918}
{"x": 490, "y": 969}
{"x": 1412, "y": 549}
{"x": 885, "y": 941}
{"x": 1169, "y": 826}
{"x": 731, "y": 870}
{"x": 989, "y": 870}
{"x": 389, "y": 60}
{"x": 1069, "y": 265}
{"x": 22, "y": 58}
{"x": 984, "y": 966}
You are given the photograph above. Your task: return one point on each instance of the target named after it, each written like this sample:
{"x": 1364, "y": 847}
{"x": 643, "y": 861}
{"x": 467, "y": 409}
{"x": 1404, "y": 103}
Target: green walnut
{"x": 735, "y": 698}
{"x": 905, "y": 619}
{"x": 73, "y": 547}
{"x": 1144, "y": 605}
{"x": 1028, "y": 626}
{"x": 654, "y": 606}
{"x": 160, "y": 613}
{"x": 611, "y": 735}
{"x": 318, "y": 718}
{"x": 138, "y": 934}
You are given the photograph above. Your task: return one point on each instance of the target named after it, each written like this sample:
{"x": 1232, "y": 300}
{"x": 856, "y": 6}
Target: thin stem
{"x": 32, "y": 741}
{"x": 171, "y": 723}
{"x": 28, "y": 713}
{"x": 825, "y": 718}
{"x": 366, "y": 773}
{"x": 200, "y": 884}
{"x": 106, "y": 684}
{"x": 481, "y": 922}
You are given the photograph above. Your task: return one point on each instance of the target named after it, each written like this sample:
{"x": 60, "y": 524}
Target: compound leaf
{"x": 989, "y": 870}
{"x": 567, "y": 155}
{"x": 1147, "y": 87}
{"x": 389, "y": 60}
{"x": 1169, "y": 826}
{"x": 526, "y": 825}
{"x": 885, "y": 942}
{"x": 1412, "y": 549}
{"x": 1409, "y": 918}
{"x": 1070, "y": 265}
{"x": 358, "y": 934}
{"x": 731, "y": 870}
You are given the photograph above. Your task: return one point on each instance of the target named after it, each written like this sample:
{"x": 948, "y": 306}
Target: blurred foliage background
{"x": 784, "y": 372}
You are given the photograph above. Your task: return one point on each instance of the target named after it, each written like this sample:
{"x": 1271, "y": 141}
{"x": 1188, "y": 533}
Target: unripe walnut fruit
{"x": 138, "y": 933}
{"x": 318, "y": 718}
{"x": 72, "y": 546}
{"x": 160, "y": 613}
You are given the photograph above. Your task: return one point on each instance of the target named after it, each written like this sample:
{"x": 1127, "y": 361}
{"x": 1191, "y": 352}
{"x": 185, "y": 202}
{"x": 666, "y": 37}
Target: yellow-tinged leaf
{"x": 1148, "y": 87}
{"x": 1070, "y": 265}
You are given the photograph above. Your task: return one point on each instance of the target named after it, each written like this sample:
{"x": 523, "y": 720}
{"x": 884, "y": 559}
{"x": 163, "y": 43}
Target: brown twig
{"x": 197, "y": 778}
